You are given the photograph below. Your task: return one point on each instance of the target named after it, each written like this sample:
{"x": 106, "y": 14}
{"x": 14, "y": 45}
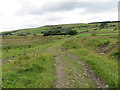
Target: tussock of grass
{"x": 25, "y": 57}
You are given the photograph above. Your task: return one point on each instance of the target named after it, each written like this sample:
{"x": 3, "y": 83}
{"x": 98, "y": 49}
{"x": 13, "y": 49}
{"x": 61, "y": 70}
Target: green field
{"x": 88, "y": 59}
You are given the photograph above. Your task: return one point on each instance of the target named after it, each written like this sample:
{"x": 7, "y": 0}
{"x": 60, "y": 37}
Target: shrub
{"x": 115, "y": 29}
{"x": 59, "y": 32}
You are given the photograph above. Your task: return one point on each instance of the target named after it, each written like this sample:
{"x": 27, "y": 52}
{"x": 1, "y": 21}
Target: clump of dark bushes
{"x": 59, "y": 32}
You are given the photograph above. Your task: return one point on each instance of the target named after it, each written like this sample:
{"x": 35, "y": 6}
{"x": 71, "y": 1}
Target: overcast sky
{"x": 18, "y": 14}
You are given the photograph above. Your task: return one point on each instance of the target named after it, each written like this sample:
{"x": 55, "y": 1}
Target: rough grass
{"x": 38, "y": 72}
{"x": 10, "y": 50}
{"x": 88, "y": 34}
{"x": 95, "y": 44}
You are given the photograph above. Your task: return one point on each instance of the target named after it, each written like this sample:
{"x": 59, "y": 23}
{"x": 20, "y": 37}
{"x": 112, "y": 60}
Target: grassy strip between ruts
{"x": 30, "y": 72}
{"x": 76, "y": 74}
{"x": 100, "y": 65}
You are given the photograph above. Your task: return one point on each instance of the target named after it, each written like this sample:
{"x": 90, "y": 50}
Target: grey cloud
{"x": 92, "y": 7}
{"x": 47, "y": 7}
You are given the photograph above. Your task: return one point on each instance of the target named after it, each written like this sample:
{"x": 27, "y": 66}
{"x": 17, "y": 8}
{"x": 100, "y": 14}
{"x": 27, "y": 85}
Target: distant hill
{"x": 38, "y": 30}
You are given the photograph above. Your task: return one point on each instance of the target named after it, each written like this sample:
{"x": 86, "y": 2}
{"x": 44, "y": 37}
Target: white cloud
{"x": 17, "y": 14}
{"x": 9, "y": 7}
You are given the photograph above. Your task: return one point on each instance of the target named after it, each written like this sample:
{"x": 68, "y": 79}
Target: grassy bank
{"x": 102, "y": 64}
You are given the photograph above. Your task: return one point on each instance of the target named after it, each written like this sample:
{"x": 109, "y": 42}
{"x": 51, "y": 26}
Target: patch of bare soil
{"x": 89, "y": 72}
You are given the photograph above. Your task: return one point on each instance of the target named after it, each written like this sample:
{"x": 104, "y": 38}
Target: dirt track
{"x": 69, "y": 80}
